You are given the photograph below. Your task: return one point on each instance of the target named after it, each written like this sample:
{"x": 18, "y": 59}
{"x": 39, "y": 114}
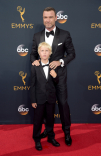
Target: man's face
{"x": 49, "y": 19}
{"x": 44, "y": 53}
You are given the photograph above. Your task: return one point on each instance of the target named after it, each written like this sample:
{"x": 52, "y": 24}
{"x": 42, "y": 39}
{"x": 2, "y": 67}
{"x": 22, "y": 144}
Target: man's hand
{"x": 54, "y": 64}
{"x": 36, "y": 63}
{"x": 34, "y": 105}
{"x": 53, "y": 73}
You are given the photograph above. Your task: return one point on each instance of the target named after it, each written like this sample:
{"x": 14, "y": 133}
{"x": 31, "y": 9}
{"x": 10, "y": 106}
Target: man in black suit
{"x": 43, "y": 95}
{"x": 61, "y": 42}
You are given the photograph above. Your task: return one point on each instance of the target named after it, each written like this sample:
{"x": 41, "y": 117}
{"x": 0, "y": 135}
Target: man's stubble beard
{"x": 49, "y": 27}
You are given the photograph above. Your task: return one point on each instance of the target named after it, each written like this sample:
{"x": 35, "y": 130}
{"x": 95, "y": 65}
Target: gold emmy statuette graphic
{"x": 98, "y": 74}
{"x": 21, "y": 73}
{"x": 99, "y": 8}
{"x": 19, "y": 8}
{"x": 56, "y": 101}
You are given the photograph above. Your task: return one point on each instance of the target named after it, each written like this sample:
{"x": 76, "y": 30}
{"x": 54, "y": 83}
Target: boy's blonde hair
{"x": 44, "y": 44}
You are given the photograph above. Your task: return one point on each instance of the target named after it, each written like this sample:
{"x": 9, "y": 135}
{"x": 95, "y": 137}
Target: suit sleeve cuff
{"x": 62, "y": 62}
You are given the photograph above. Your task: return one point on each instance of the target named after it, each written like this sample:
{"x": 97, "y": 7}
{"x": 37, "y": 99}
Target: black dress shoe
{"x": 38, "y": 146}
{"x": 68, "y": 140}
{"x": 53, "y": 142}
{"x": 44, "y": 134}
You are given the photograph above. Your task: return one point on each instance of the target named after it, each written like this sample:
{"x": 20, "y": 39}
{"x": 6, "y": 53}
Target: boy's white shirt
{"x": 46, "y": 69}
{"x": 49, "y": 39}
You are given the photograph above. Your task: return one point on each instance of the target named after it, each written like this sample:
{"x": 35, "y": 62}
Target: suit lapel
{"x": 56, "y": 40}
{"x": 42, "y": 71}
{"x": 42, "y": 36}
{"x": 48, "y": 74}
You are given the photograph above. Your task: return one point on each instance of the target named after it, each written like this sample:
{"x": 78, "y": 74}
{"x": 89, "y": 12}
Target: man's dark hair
{"x": 50, "y": 9}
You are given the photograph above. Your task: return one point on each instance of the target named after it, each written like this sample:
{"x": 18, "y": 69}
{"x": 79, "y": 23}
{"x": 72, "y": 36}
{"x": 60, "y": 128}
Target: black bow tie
{"x": 50, "y": 33}
{"x": 45, "y": 65}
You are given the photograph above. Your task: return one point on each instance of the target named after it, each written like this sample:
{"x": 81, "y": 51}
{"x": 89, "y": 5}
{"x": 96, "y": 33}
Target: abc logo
{"x": 95, "y": 109}
{"x": 61, "y": 18}
{"x": 97, "y": 50}
{"x": 21, "y": 51}
{"x": 22, "y": 110}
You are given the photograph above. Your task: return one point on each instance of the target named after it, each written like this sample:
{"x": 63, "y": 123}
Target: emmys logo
{"x": 95, "y": 109}
{"x": 21, "y": 51}
{"x": 21, "y": 25}
{"x": 21, "y": 73}
{"x": 97, "y": 50}
{"x": 95, "y": 25}
{"x": 19, "y": 9}
{"x": 22, "y": 110}
{"x": 90, "y": 87}
{"x": 56, "y": 115}
{"x": 61, "y": 18}
{"x": 23, "y": 76}
{"x": 98, "y": 74}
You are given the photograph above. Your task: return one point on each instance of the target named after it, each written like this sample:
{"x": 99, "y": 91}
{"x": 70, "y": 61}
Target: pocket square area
{"x": 59, "y": 44}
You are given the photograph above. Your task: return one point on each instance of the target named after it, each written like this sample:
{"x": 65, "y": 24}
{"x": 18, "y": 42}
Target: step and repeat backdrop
{"x": 19, "y": 20}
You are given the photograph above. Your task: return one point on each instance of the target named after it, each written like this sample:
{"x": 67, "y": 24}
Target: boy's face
{"x": 44, "y": 53}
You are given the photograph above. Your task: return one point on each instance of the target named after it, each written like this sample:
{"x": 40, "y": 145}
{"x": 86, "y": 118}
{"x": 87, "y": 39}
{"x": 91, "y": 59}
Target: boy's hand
{"x": 53, "y": 73}
{"x": 34, "y": 105}
{"x": 36, "y": 63}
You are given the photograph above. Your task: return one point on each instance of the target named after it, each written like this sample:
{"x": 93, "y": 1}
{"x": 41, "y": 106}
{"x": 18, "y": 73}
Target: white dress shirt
{"x": 46, "y": 69}
{"x": 49, "y": 40}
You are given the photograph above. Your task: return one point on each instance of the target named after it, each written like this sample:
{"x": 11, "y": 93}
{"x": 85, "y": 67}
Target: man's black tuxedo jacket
{"x": 62, "y": 43}
{"x": 42, "y": 89}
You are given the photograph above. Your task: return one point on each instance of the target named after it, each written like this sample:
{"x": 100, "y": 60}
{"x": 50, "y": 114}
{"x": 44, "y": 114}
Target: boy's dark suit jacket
{"x": 42, "y": 89}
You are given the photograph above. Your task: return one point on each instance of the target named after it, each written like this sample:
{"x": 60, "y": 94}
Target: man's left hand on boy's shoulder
{"x": 54, "y": 64}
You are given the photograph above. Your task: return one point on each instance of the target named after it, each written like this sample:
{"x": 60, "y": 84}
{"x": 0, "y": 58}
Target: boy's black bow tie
{"x": 45, "y": 65}
{"x": 48, "y": 33}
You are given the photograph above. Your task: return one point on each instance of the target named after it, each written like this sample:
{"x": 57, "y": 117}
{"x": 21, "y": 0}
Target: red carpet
{"x": 16, "y": 140}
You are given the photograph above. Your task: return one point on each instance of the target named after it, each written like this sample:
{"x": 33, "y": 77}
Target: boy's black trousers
{"x": 47, "y": 110}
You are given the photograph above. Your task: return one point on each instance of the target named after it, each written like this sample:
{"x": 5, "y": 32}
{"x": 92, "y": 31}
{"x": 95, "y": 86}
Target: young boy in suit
{"x": 43, "y": 96}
